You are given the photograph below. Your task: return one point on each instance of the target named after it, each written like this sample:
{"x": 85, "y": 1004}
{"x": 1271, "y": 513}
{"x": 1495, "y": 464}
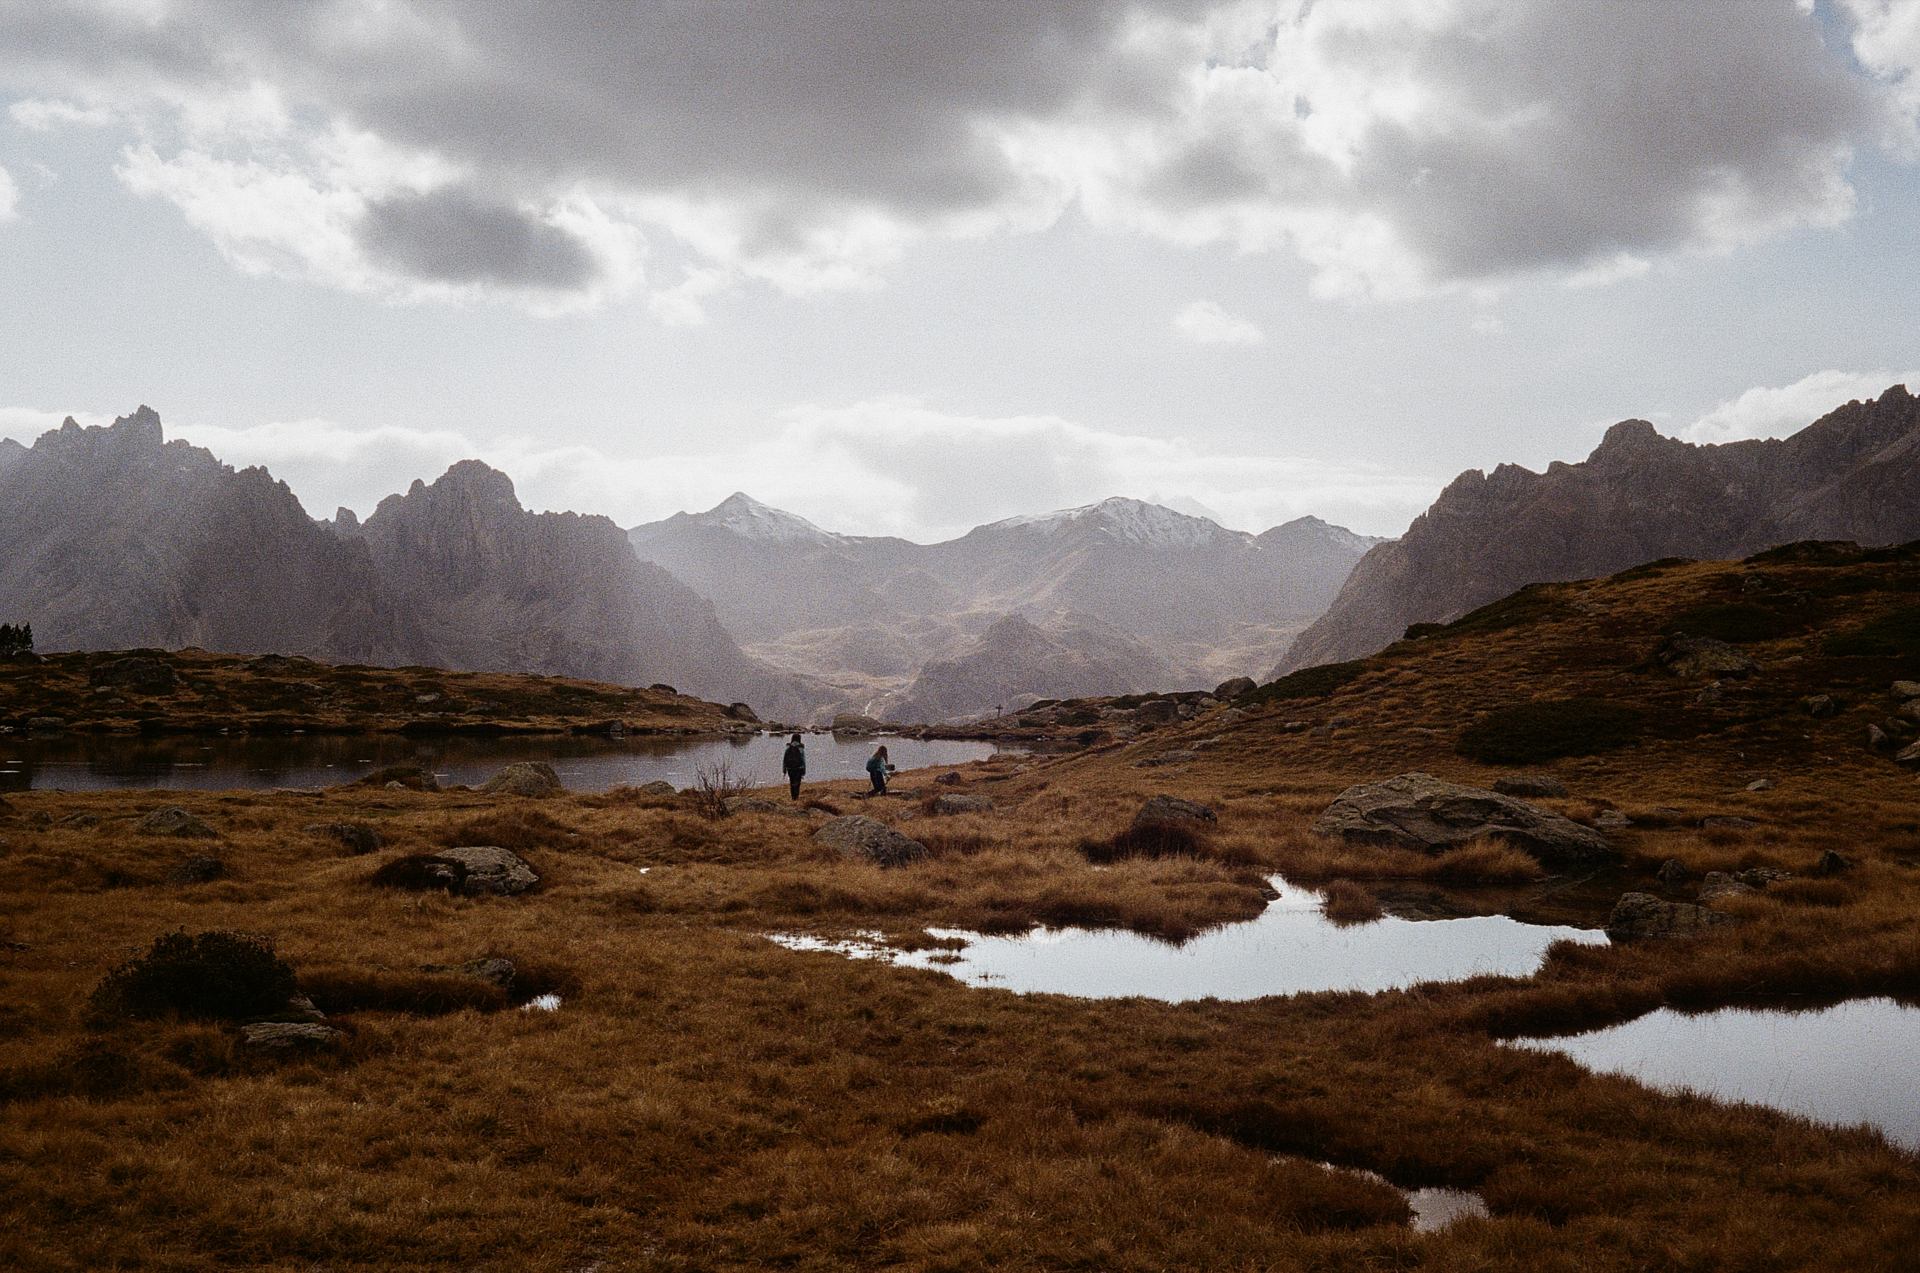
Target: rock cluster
{"x": 1639, "y": 916}
{"x": 1419, "y": 811}
{"x": 175, "y": 821}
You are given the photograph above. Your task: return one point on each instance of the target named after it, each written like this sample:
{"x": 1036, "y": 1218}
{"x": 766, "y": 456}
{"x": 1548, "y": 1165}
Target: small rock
{"x": 79, "y": 821}
{"x": 1161, "y": 810}
{"x": 174, "y": 820}
{"x": 525, "y": 778}
{"x": 949, "y": 779}
{"x": 305, "y": 1008}
{"x": 1671, "y": 873}
{"x": 1820, "y": 706}
{"x": 1904, "y": 690}
{"x": 1908, "y": 755}
{"x": 1761, "y": 876}
{"x": 1712, "y": 695}
{"x": 491, "y": 869}
{"x": 1640, "y": 916}
{"x": 1611, "y": 820}
{"x": 1877, "y": 739}
{"x": 857, "y": 836}
{"x": 1760, "y": 784}
{"x": 200, "y": 869}
{"x": 1719, "y": 884}
{"x": 1683, "y": 655}
{"x": 491, "y": 969}
{"x": 289, "y": 1036}
{"x": 1832, "y": 863}
{"x": 948, "y": 805}
{"x": 658, "y": 787}
{"x": 356, "y": 837}
{"x": 1724, "y": 822}
{"x": 1531, "y": 785}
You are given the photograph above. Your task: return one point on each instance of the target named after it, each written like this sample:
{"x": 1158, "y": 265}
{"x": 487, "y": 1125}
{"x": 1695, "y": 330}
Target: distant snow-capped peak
{"x": 750, "y": 519}
{"x": 1127, "y": 521}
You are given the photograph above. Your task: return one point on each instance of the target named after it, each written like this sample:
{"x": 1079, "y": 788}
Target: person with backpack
{"x": 878, "y": 769}
{"x": 793, "y": 763}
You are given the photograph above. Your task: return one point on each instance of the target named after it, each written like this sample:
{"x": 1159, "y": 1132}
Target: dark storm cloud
{"x": 452, "y": 236}
{"x": 1394, "y": 144}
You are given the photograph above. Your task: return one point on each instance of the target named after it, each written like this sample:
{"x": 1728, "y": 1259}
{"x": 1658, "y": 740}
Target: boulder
{"x": 1640, "y": 916}
{"x": 1163, "y": 810}
{"x": 1611, "y": 820}
{"x": 1235, "y": 687}
{"x": 946, "y": 805}
{"x": 356, "y": 837}
{"x": 1760, "y": 784}
{"x": 864, "y": 838}
{"x": 490, "y": 869}
{"x": 1157, "y": 711}
{"x": 289, "y": 1036}
{"x": 525, "y": 778}
{"x": 1672, "y": 873}
{"x": 950, "y": 779}
{"x": 142, "y": 674}
{"x": 1683, "y": 655}
{"x": 658, "y": 787}
{"x": 1877, "y": 739}
{"x": 1719, "y": 884}
{"x": 199, "y": 869}
{"x": 1820, "y": 706}
{"x": 1419, "y": 811}
{"x": 1904, "y": 690}
{"x": 760, "y": 804}
{"x": 1529, "y": 785}
{"x": 1832, "y": 863}
{"x": 174, "y": 820}
{"x": 1908, "y": 755}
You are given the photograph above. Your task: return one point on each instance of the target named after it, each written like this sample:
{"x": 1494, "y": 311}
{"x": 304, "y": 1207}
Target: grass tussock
{"x": 203, "y": 976}
{"x": 1349, "y": 903}
{"x": 1547, "y": 729}
{"x": 518, "y": 828}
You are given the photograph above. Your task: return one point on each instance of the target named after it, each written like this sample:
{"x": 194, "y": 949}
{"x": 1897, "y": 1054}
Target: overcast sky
{"x": 903, "y": 268}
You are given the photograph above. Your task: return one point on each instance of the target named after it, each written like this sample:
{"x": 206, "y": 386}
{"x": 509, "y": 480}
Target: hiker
{"x": 793, "y": 763}
{"x": 878, "y": 769}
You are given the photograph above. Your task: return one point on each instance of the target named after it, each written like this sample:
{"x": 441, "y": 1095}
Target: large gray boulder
{"x": 490, "y": 869}
{"x": 1162, "y": 810}
{"x": 1640, "y": 916}
{"x": 525, "y": 778}
{"x": 1419, "y": 811}
{"x": 870, "y": 840}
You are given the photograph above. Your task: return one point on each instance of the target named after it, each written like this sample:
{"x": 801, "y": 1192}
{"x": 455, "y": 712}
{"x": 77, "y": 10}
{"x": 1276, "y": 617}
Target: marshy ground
{"x": 704, "y": 1098}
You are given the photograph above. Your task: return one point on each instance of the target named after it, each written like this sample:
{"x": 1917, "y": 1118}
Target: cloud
{"x": 888, "y": 466}
{"x": 443, "y": 149}
{"x": 1776, "y": 412}
{"x": 9, "y": 197}
{"x": 1205, "y": 323}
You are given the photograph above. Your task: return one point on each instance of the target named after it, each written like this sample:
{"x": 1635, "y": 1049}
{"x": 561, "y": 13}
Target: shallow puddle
{"x": 1290, "y": 948}
{"x": 1856, "y": 1062}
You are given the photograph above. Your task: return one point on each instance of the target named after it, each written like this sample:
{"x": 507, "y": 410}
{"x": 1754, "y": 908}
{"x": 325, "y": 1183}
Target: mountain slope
{"x": 1638, "y": 497}
{"x": 1015, "y": 662}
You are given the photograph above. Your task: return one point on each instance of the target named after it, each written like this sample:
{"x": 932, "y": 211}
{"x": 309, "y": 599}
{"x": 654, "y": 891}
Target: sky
{"x": 906, "y": 268}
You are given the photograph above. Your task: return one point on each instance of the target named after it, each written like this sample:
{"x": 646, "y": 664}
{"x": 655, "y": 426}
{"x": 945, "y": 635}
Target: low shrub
{"x": 1148, "y": 840}
{"x": 1549, "y": 728}
{"x": 1735, "y": 621}
{"x": 1529, "y": 605}
{"x": 219, "y": 976}
{"x": 1308, "y": 682}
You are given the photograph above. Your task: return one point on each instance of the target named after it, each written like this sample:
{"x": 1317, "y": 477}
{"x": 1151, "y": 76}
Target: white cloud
{"x": 1205, "y": 323}
{"x": 1776, "y": 412}
{"x": 9, "y": 196}
{"x": 1396, "y": 146}
{"x": 881, "y": 467}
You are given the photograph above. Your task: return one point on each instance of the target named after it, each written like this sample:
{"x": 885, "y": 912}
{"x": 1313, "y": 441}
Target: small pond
{"x": 1291, "y": 948}
{"x": 321, "y": 760}
{"x": 1856, "y": 1062}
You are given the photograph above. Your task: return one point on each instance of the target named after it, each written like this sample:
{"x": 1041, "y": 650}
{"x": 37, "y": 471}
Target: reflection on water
{"x": 319, "y": 760}
{"x": 1290, "y": 949}
{"x": 1852, "y": 1063}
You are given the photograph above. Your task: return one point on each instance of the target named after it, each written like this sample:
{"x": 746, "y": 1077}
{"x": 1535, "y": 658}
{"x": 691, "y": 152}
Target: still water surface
{"x": 1856, "y": 1062}
{"x": 1290, "y": 948}
{"x": 315, "y": 760}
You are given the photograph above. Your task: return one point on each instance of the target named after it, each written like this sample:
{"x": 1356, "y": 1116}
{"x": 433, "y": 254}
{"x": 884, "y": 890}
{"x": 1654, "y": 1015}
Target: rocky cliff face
{"x": 1638, "y": 497}
{"x": 114, "y": 537}
{"x": 1015, "y": 662}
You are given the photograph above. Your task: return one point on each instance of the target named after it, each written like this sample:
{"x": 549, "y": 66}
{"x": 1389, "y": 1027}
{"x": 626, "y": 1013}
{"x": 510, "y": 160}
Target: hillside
{"x": 1639, "y": 497}
{"x": 194, "y": 692}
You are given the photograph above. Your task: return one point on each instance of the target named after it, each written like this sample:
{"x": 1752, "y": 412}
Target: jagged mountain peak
{"x": 748, "y": 517}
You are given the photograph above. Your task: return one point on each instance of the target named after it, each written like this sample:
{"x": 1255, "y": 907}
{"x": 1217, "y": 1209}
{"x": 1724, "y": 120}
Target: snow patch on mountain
{"x": 750, "y": 519}
{"x": 1127, "y": 521}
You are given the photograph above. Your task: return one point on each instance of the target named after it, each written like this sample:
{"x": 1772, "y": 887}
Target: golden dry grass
{"x": 708, "y": 1100}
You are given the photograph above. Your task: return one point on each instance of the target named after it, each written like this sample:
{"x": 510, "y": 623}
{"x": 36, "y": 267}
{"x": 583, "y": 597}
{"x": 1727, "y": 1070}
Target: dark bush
{"x": 1895, "y": 634}
{"x": 1149, "y": 840}
{"x": 216, "y": 976}
{"x": 1531, "y": 604}
{"x": 1551, "y": 727}
{"x": 1736, "y": 621}
{"x": 1308, "y": 682}
{"x": 421, "y": 873}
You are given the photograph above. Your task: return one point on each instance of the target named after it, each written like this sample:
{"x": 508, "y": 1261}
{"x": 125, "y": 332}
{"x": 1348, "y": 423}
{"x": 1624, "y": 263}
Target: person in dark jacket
{"x": 793, "y": 763}
{"x": 878, "y": 769}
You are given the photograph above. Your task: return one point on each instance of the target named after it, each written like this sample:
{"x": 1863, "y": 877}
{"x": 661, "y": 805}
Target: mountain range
{"x": 1853, "y": 474}
{"x": 1112, "y": 598}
